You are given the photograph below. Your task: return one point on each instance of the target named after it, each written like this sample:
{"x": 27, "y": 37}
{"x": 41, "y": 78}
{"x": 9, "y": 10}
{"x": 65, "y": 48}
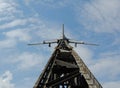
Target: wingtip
{"x": 28, "y": 44}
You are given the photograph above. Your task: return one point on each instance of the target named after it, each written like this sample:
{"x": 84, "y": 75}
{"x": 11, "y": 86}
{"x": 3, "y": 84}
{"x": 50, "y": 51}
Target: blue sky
{"x": 31, "y": 21}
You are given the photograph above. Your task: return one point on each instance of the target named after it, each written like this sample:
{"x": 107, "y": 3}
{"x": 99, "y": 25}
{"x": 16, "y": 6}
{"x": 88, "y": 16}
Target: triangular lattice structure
{"x": 65, "y": 69}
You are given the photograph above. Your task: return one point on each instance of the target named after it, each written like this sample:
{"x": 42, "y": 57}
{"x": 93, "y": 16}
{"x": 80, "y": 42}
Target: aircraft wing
{"x": 35, "y": 44}
{"x": 81, "y": 42}
{"x": 44, "y": 42}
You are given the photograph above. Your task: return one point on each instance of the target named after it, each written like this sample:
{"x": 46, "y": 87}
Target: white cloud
{"x": 107, "y": 66}
{"x": 5, "y": 80}
{"x": 23, "y": 23}
{"x": 8, "y": 8}
{"x": 13, "y": 37}
{"x": 100, "y": 15}
{"x": 51, "y": 3}
{"x": 28, "y": 60}
{"x": 14, "y": 23}
{"x": 49, "y": 33}
{"x": 19, "y": 34}
{"x": 8, "y": 43}
{"x": 114, "y": 84}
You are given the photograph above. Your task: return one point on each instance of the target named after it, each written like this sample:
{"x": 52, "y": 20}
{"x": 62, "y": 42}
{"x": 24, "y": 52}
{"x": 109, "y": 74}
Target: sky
{"x": 32, "y": 21}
